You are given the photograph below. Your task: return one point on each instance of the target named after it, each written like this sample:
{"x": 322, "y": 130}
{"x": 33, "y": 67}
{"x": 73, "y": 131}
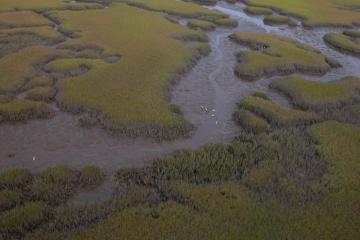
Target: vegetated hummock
{"x": 201, "y": 24}
{"x": 309, "y": 94}
{"x": 348, "y": 41}
{"x": 314, "y": 14}
{"x": 278, "y": 20}
{"x": 23, "y": 19}
{"x": 46, "y": 32}
{"x": 12, "y": 5}
{"x": 276, "y": 55}
{"x": 130, "y": 93}
{"x": 258, "y": 11}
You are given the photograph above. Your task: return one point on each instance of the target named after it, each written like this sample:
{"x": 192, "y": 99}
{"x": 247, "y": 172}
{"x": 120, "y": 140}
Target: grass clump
{"x": 16, "y": 67}
{"x": 38, "y": 82}
{"x": 23, "y": 19}
{"x": 202, "y": 25}
{"x": 54, "y": 186}
{"x": 343, "y": 42}
{"x": 90, "y": 177}
{"x": 9, "y": 198}
{"x": 226, "y": 22}
{"x": 17, "y": 221}
{"x": 45, "y": 94}
{"x": 276, "y": 55}
{"x": 3, "y": 99}
{"x": 185, "y": 9}
{"x": 352, "y": 33}
{"x": 9, "y": 5}
{"x": 14, "y": 178}
{"x": 314, "y": 14}
{"x": 46, "y": 32}
{"x": 250, "y": 121}
{"x": 274, "y": 113}
{"x": 20, "y": 110}
{"x": 258, "y": 11}
{"x": 317, "y": 95}
{"x": 278, "y": 20}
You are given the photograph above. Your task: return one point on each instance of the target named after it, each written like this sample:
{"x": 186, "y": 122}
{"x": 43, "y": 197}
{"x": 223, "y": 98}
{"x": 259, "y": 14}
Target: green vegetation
{"x": 9, "y": 198}
{"x": 11, "y": 5}
{"x": 275, "y": 113}
{"x": 185, "y": 9}
{"x": 278, "y": 20}
{"x": 16, "y": 67}
{"x": 316, "y": 95}
{"x": 258, "y": 11}
{"x": 226, "y": 22}
{"x": 45, "y": 94}
{"x": 250, "y": 121}
{"x": 137, "y": 104}
{"x": 45, "y": 32}
{"x": 202, "y": 25}
{"x": 348, "y": 42}
{"x": 91, "y": 176}
{"x": 20, "y": 110}
{"x": 23, "y": 19}
{"x": 14, "y": 178}
{"x": 17, "y": 221}
{"x": 314, "y": 14}
{"x": 351, "y": 33}
{"x": 276, "y": 55}
{"x": 38, "y": 82}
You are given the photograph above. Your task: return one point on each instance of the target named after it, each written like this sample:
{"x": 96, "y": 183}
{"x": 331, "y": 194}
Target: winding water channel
{"x": 207, "y": 96}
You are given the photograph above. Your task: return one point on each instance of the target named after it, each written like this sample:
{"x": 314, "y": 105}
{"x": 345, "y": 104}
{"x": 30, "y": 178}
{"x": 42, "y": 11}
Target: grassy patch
{"x": 10, "y": 5}
{"x": 45, "y": 94}
{"x": 258, "y": 11}
{"x": 17, "y": 221}
{"x": 16, "y": 67}
{"x": 20, "y": 110}
{"x": 316, "y": 95}
{"x": 46, "y": 32}
{"x": 343, "y": 42}
{"x": 38, "y": 82}
{"x": 226, "y": 22}
{"x": 9, "y": 198}
{"x": 130, "y": 93}
{"x": 319, "y": 13}
{"x": 275, "y": 113}
{"x": 202, "y": 25}
{"x": 14, "y": 178}
{"x": 23, "y": 19}
{"x": 276, "y": 55}
{"x": 185, "y": 9}
{"x": 90, "y": 177}
{"x": 250, "y": 121}
{"x": 278, "y": 20}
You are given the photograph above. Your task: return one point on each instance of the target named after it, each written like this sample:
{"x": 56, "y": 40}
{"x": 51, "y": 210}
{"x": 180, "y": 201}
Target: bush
{"x": 90, "y": 177}
{"x": 15, "y": 178}
{"x": 22, "y": 218}
{"x": 9, "y": 198}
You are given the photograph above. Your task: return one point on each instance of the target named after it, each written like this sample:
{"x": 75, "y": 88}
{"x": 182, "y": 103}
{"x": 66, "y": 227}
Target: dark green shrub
{"x": 90, "y": 177}
{"x": 9, "y": 198}
{"x": 15, "y": 178}
{"x": 22, "y": 218}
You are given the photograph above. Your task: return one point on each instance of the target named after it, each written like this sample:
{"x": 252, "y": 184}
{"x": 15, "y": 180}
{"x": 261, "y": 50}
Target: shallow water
{"x": 207, "y": 96}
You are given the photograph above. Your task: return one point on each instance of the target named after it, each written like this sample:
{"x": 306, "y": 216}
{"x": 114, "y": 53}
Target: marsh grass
{"x": 250, "y": 121}
{"x": 23, "y": 19}
{"x": 315, "y": 14}
{"x": 313, "y": 95}
{"x": 45, "y": 94}
{"x": 348, "y": 43}
{"x": 276, "y": 114}
{"x": 21, "y": 110}
{"x": 41, "y": 81}
{"x": 90, "y": 177}
{"x": 14, "y": 178}
{"x": 200, "y": 24}
{"x": 258, "y": 11}
{"x": 276, "y": 55}
{"x": 279, "y": 20}
{"x": 9, "y": 198}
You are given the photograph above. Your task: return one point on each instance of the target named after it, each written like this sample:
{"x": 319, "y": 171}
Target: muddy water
{"x": 207, "y": 96}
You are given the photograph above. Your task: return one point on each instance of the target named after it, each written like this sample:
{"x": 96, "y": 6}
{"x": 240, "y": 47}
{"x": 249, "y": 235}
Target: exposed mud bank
{"x": 207, "y": 96}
